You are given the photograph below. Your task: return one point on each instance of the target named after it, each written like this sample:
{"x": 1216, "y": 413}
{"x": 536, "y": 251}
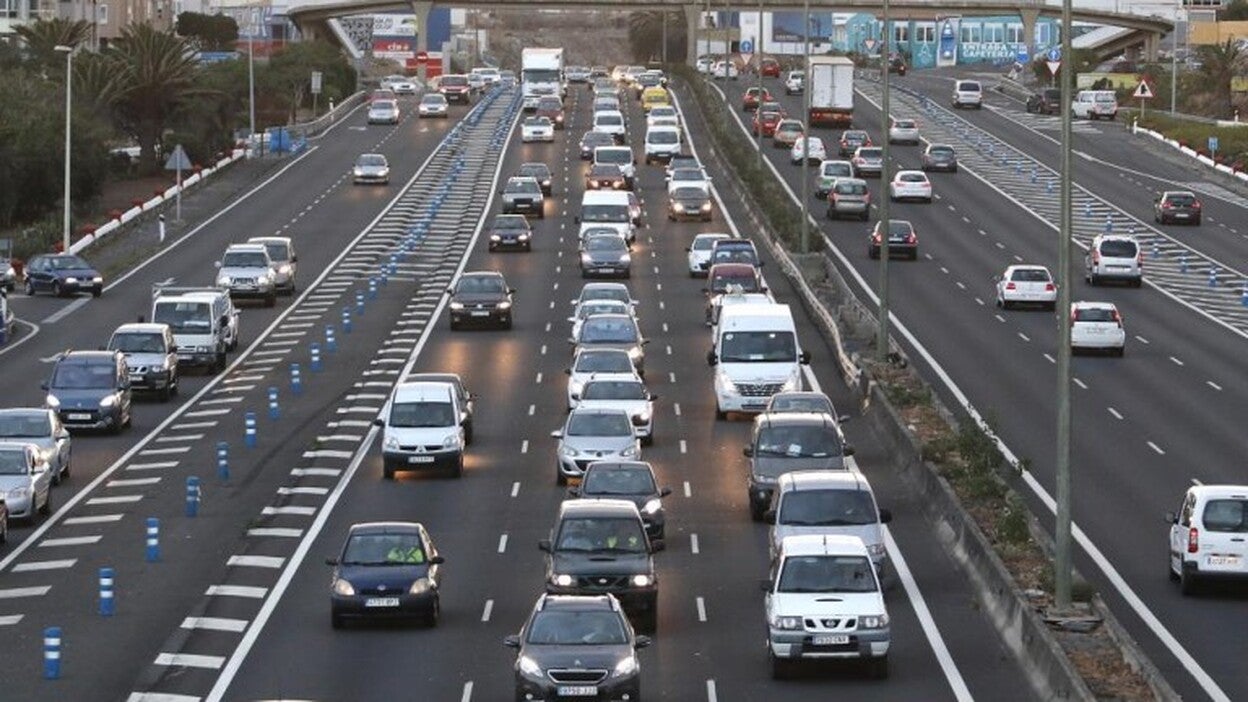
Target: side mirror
{"x": 764, "y": 585}
{"x": 886, "y": 516}
{"x": 43, "y": 385}
{"x": 331, "y": 561}
{"x": 225, "y": 319}
{"x": 748, "y": 451}
{"x": 642, "y": 641}
{"x": 571, "y": 341}
{"x": 557, "y": 434}
{"x": 843, "y": 418}
{"x": 512, "y": 641}
{"x": 217, "y": 264}
{"x": 803, "y": 357}
{"x": 379, "y": 422}
{"x": 544, "y": 545}
{"x": 511, "y": 291}
{"x": 294, "y": 259}
{"x": 688, "y": 249}
{"x": 436, "y": 560}
{"x": 711, "y": 359}
{"x": 847, "y": 449}
{"x": 657, "y": 545}
{"x": 450, "y": 291}
{"x": 769, "y": 517}
{"x": 665, "y": 492}
{"x": 173, "y": 348}
{"x": 653, "y": 398}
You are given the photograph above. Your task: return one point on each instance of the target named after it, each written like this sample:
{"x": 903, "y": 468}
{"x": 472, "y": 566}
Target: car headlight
{"x": 642, "y": 580}
{"x": 546, "y": 183}
{"x": 635, "y": 354}
{"x": 71, "y": 280}
{"x": 876, "y": 550}
{"x": 451, "y": 441}
{"x": 628, "y": 666}
{"x": 344, "y": 588}
{"x": 625, "y": 258}
{"x": 384, "y": 172}
{"x": 202, "y": 349}
{"x": 457, "y": 305}
{"x": 20, "y": 493}
{"x": 793, "y": 384}
{"x": 873, "y": 621}
{"x": 523, "y": 237}
{"x": 504, "y": 305}
{"x": 495, "y": 237}
{"x": 789, "y": 623}
{"x": 358, "y": 172}
{"x": 630, "y": 452}
{"x": 569, "y": 451}
{"x": 678, "y": 207}
{"x": 284, "y": 269}
{"x": 586, "y": 258}
{"x": 97, "y": 279}
{"x": 575, "y": 387}
{"x": 419, "y": 587}
{"x": 108, "y": 401}
{"x": 724, "y": 384}
{"x": 392, "y": 442}
{"x": 51, "y": 401}
{"x": 223, "y": 281}
{"x": 529, "y": 667}
{"x": 652, "y": 506}
{"x": 561, "y": 579}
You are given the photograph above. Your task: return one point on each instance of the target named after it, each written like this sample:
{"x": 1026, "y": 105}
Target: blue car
{"x": 386, "y": 571}
{"x": 62, "y": 274}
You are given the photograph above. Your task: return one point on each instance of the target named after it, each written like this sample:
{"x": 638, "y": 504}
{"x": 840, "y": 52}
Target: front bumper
{"x": 19, "y": 507}
{"x": 476, "y": 316}
{"x": 151, "y": 380}
{"x": 457, "y": 96}
{"x": 605, "y": 269}
{"x": 90, "y": 418}
{"x": 399, "y": 460}
{"x": 736, "y": 402}
{"x": 574, "y": 467}
{"x": 546, "y": 690}
{"x": 514, "y": 242}
{"x": 357, "y": 606}
{"x": 685, "y": 214}
{"x": 251, "y": 291}
{"x": 367, "y": 178}
{"x": 425, "y": 112}
{"x": 81, "y": 286}
{"x": 862, "y": 644}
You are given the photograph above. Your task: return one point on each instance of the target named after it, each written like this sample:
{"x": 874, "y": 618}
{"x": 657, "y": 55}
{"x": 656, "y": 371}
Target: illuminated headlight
{"x": 71, "y": 280}
{"x": 574, "y": 388}
{"x": 495, "y": 237}
{"x": 643, "y": 416}
{"x": 384, "y": 172}
{"x": 635, "y": 354}
{"x": 642, "y": 580}
{"x": 529, "y": 667}
{"x": 223, "y": 280}
{"x": 420, "y": 587}
{"x": 706, "y": 207}
{"x": 344, "y": 588}
{"x": 20, "y": 493}
{"x": 625, "y": 258}
{"x": 202, "y": 349}
{"x": 451, "y": 441}
{"x": 617, "y": 184}
{"x": 678, "y": 207}
{"x": 790, "y": 623}
{"x": 284, "y": 269}
{"x": 546, "y": 183}
{"x": 652, "y": 506}
{"x": 569, "y": 451}
{"x": 561, "y": 579}
{"x": 359, "y": 172}
{"x": 586, "y": 258}
{"x": 392, "y": 442}
{"x": 558, "y": 118}
{"x": 724, "y": 384}
{"x": 876, "y": 550}
{"x": 97, "y": 279}
{"x": 108, "y": 401}
{"x": 523, "y": 237}
{"x": 630, "y": 452}
{"x": 267, "y": 276}
{"x": 52, "y": 401}
{"x": 504, "y": 305}
{"x": 457, "y": 305}
{"x": 628, "y": 666}
{"x": 873, "y": 621}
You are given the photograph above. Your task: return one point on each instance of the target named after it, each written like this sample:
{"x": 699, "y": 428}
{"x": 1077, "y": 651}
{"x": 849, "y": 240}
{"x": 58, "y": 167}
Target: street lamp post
{"x": 69, "y": 92}
{"x": 884, "y": 226}
{"x": 1062, "y": 557}
{"x": 1174, "y": 58}
{"x": 251, "y": 77}
{"x": 806, "y": 132}
{"x": 758, "y": 110}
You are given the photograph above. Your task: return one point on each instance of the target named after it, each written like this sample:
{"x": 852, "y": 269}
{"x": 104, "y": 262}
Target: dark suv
{"x": 789, "y": 441}
{"x": 481, "y": 298}
{"x": 1045, "y": 102}
{"x": 600, "y": 547}
{"x": 577, "y": 648}
{"x": 90, "y": 390}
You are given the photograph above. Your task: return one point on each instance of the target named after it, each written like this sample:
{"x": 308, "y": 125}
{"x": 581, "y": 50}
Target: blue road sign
{"x": 1055, "y": 54}
{"x": 1022, "y": 55}
{"x": 746, "y": 46}
{"x": 1213, "y": 143}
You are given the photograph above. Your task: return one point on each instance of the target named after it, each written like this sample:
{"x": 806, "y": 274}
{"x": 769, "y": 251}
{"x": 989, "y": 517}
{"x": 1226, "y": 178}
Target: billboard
{"x": 394, "y": 48}
{"x": 790, "y": 27}
{"x": 394, "y": 25}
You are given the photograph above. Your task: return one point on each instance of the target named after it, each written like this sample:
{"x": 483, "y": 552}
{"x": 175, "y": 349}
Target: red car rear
{"x": 766, "y": 122}
{"x": 750, "y": 100}
{"x": 769, "y": 67}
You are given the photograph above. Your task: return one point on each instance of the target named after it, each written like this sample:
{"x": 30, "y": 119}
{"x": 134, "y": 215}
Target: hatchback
{"x": 787, "y": 132}
{"x": 849, "y": 197}
{"x": 1174, "y": 206}
{"x": 1026, "y": 285}
{"x": 25, "y": 481}
{"x": 43, "y": 428}
{"x": 481, "y": 298}
{"x": 62, "y": 274}
{"x": 902, "y": 240}
{"x": 627, "y": 480}
{"x": 904, "y": 131}
{"x": 753, "y": 96}
{"x": 1096, "y": 326}
{"x": 700, "y": 253}
{"x": 829, "y": 171}
{"x": 910, "y": 185}
{"x": 764, "y": 123}
{"x": 868, "y": 161}
{"x": 808, "y": 149}
{"x": 593, "y": 435}
{"x": 940, "y": 157}
{"x": 386, "y": 570}
{"x": 851, "y": 139}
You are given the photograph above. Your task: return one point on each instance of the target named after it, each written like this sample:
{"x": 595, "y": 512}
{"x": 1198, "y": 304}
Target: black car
{"x": 689, "y": 203}
{"x": 681, "y": 161}
{"x": 90, "y": 390}
{"x": 386, "y": 571}
{"x": 481, "y": 297}
{"x": 593, "y": 140}
{"x": 539, "y": 172}
{"x": 62, "y": 274}
{"x": 734, "y": 250}
{"x": 577, "y": 648}
{"x": 606, "y": 254}
{"x": 1045, "y": 102}
{"x": 510, "y": 231}
{"x": 599, "y": 547}
{"x": 627, "y": 480}
{"x": 605, "y": 176}
{"x": 902, "y": 241}
{"x": 897, "y": 64}
{"x": 940, "y": 157}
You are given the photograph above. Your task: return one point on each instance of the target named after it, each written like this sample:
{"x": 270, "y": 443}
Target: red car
{"x": 750, "y": 100}
{"x": 766, "y": 122}
{"x": 455, "y": 88}
{"x": 551, "y": 107}
{"x": 769, "y": 67}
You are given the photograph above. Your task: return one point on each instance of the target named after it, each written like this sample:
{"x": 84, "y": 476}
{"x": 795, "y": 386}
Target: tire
{"x": 454, "y": 326}
{"x": 647, "y": 440}
{"x": 457, "y": 470}
{"x": 1189, "y": 585}
{"x": 1120, "y": 351}
{"x": 865, "y": 216}
{"x": 756, "y": 511}
{"x": 270, "y": 300}
{"x": 720, "y": 415}
{"x": 873, "y": 253}
{"x": 1174, "y": 577}
{"x": 387, "y": 472}
{"x": 96, "y": 292}
{"x": 56, "y": 289}
{"x": 1006, "y": 304}
{"x": 219, "y": 366}
{"x": 468, "y": 433}
{"x": 165, "y": 393}
{"x": 1094, "y": 279}
{"x": 30, "y": 287}
{"x": 434, "y": 613}
{"x": 560, "y": 478}
{"x": 335, "y": 620}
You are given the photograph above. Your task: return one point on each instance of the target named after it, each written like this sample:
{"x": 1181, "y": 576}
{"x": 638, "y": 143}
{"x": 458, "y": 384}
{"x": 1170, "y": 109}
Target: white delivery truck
{"x": 541, "y": 73}
{"x": 755, "y": 355}
{"x": 831, "y": 81}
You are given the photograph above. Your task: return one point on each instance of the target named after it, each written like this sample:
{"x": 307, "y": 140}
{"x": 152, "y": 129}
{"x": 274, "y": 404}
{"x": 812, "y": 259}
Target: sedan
{"x": 1026, "y": 284}
{"x": 902, "y": 240}
{"x": 523, "y": 195}
{"x": 537, "y": 171}
{"x": 1096, "y": 326}
{"x": 623, "y": 391}
{"x": 510, "y": 231}
{"x": 605, "y": 176}
{"x": 868, "y": 161}
{"x": 593, "y": 140}
{"x": 42, "y": 428}
{"x": 480, "y": 298}
{"x": 613, "y": 331}
{"x": 593, "y": 435}
{"x": 787, "y": 132}
{"x": 433, "y": 105}
{"x": 1177, "y": 206}
{"x": 851, "y": 139}
{"x": 62, "y": 274}
{"x": 769, "y": 67}
{"x": 1045, "y": 102}
{"x": 627, "y": 480}
{"x": 688, "y": 178}
{"x": 764, "y": 123}
{"x": 939, "y": 157}
{"x": 910, "y": 185}
{"x": 588, "y": 309}
{"x": 386, "y": 571}
{"x": 371, "y": 168}
{"x": 589, "y": 362}
{"x": 904, "y": 131}
{"x": 808, "y": 149}
{"x": 752, "y": 97}
{"x": 537, "y": 129}
{"x": 605, "y": 255}
{"x": 25, "y": 481}
{"x": 689, "y": 202}
{"x": 383, "y": 112}
{"x": 700, "y": 253}
{"x": 725, "y": 69}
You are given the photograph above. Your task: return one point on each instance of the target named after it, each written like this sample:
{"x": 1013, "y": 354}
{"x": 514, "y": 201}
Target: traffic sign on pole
{"x": 1143, "y": 91}
{"x": 1053, "y": 66}
{"x": 1055, "y": 54}
{"x": 422, "y": 57}
{"x": 869, "y": 45}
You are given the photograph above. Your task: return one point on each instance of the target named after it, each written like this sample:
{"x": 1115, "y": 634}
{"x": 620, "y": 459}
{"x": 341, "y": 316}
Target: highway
{"x": 238, "y": 606}
{"x": 1134, "y": 453}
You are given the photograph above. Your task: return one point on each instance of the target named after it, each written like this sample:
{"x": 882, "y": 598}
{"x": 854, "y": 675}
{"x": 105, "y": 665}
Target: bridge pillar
{"x": 1029, "y": 17}
{"x": 693, "y": 15}
{"x": 421, "y": 8}
{"x": 1151, "y": 44}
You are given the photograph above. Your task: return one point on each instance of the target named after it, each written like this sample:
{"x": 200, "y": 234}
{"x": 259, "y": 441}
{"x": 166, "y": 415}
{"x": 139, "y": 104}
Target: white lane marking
{"x": 684, "y": 448}
{"x": 302, "y": 491}
{"x": 96, "y": 519}
{"x": 194, "y": 425}
{"x": 676, "y": 408}
{"x": 33, "y": 566}
{"x": 11, "y": 619}
{"x": 296, "y": 510}
{"x": 1116, "y": 413}
{"x": 1079, "y": 382}
{"x": 693, "y": 544}
{"x": 15, "y": 592}
{"x": 215, "y": 624}
{"x": 979, "y": 302}
{"x": 244, "y": 591}
{"x": 188, "y": 660}
{"x": 467, "y": 696}
{"x": 65, "y": 311}
{"x": 924, "y": 615}
{"x": 544, "y": 347}
{"x": 688, "y": 489}
{"x": 1175, "y": 361}
{"x": 275, "y": 532}
{"x": 502, "y": 543}
{"x": 489, "y": 608}
{"x": 524, "y": 446}
{"x": 321, "y": 472}
{"x": 255, "y": 561}
{"x": 1024, "y": 337}
{"x": 131, "y": 482}
{"x": 960, "y": 285}
{"x": 701, "y": 609}
{"x": 515, "y": 488}
{"x": 710, "y": 691}
{"x": 999, "y": 318}
{"x": 71, "y": 541}
{"x": 1049, "y": 358}
{"x": 1213, "y": 385}
{"x": 532, "y": 409}
{"x": 671, "y": 377}
{"x": 165, "y": 451}
{"x": 539, "y": 378}
{"x": 1156, "y": 448}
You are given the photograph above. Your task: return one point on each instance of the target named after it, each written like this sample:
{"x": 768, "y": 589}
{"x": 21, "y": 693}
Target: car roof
{"x": 598, "y": 507}
{"x": 823, "y": 480}
{"x": 452, "y": 378}
{"x": 1208, "y": 492}
{"x": 23, "y": 411}
{"x": 256, "y": 247}
{"x": 141, "y": 328}
{"x": 822, "y": 545}
{"x": 271, "y": 240}
{"x": 423, "y": 389}
{"x": 1026, "y": 267}
{"x": 732, "y": 269}
{"x": 86, "y": 357}
{"x": 577, "y": 603}
{"x": 384, "y": 528}
{"x": 792, "y": 418}
{"x": 481, "y": 274}
{"x": 1089, "y": 305}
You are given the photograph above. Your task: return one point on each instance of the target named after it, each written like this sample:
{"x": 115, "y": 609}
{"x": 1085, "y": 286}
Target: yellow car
{"x": 654, "y": 96}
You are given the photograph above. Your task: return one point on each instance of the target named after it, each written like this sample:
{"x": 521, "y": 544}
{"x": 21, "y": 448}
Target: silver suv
{"x": 1114, "y": 257}
{"x": 282, "y": 258}
{"x": 968, "y": 93}
{"x": 247, "y": 271}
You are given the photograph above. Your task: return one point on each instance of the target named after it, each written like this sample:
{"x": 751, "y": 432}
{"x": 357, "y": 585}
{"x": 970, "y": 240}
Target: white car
{"x": 968, "y": 93}
{"x": 795, "y": 83}
{"x": 611, "y": 122}
{"x": 1026, "y": 284}
{"x": 904, "y": 131}
{"x": 700, "y": 253}
{"x": 603, "y": 291}
{"x": 662, "y": 115}
{"x": 1097, "y": 326}
{"x": 689, "y": 178}
{"x": 910, "y": 185}
{"x": 537, "y": 129}
{"x": 383, "y": 112}
{"x": 813, "y": 149}
{"x": 704, "y": 64}
{"x": 588, "y": 362}
{"x": 621, "y": 391}
{"x": 725, "y": 69}
{"x": 1209, "y": 536}
{"x": 432, "y": 105}
{"x": 401, "y": 85}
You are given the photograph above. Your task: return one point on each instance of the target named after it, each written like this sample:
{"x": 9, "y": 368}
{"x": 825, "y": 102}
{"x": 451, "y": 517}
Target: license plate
{"x": 1181, "y": 215}
{"x": 381, "y": 602}
{"x": 481, "y": 313}
{"x": 420, "y": 459}
{"x": 1224, "y": 561}
{"x": 78, "y": 416}
{"x": 578, "y": 691}
{"x": 831, "y": 640}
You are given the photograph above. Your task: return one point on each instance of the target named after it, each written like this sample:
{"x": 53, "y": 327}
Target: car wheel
{"x": 96, "y": 292}
{"x": 873, "y": 253}
{"x": 30, "y": 287}
{"x": 454, "y": 326}
{"x": 1174, "y": 577}
{"x": 56, "y": 289}
{"x": 335, "y": 620}
{"x": 1120, "y": 351}
{"x": 1188, "y": 583}
{"x": 434, "y": 613}
{"x": 781, "y": 669}
{"x": 1196, "y": 222}
{"x": 219, "y": 365}
{"x": 756, "y": 511}
{"x": 560, "y": 478}
{"x": 647, "y": 440}
{"x": 1051, "y": 306}
{"x": 1137, "y": 282}
{"x": 1004, "y": 304}
{"x": 387, "y": 471}
{"x": 457, "y": 469}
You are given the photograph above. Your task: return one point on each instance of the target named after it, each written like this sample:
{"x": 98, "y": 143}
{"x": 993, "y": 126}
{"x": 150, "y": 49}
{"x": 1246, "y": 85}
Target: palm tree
{"x": 1219, "y": 63}
{"x": 43, "y": 36}
{"x": 156, "y": 72}
{"x": 645, "y": 35}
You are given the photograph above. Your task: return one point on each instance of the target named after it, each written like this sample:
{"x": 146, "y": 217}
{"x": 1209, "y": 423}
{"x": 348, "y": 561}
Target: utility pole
{"x": 1062, "y": 552}
{"x": 758, "y": 112}
{"x": 1174, "y": 58}
{"x": 884, "y": 226}
{"x": 251, "y": 76}
{"x": 69, "y": 92}
{"x": 806, "y": 132}
{"x": 665, "y": 13}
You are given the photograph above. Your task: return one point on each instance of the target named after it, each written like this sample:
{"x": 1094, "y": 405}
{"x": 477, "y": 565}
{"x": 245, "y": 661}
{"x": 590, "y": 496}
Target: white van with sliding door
{"x": 609, "y": 209}
{"x": 755, "y": 355}
{"x": 1095, "y": 104}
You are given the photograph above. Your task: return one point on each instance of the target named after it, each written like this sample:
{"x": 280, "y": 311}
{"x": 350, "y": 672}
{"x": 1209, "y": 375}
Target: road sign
{"x": 317, "y": 79}
{"x": 1053, "y": 66}
{"x": 422, "y": 57}
{"x": 746, "y": 46}
{"x": 746, "y": 58}
{"x": 869, "y": 45}
{"x": 1055, "y": 54}
{"x": 1143, "y": 91}
{"x": 1213, "y": 144}
{"x": 1021, "y": 54}
{"x": 178, "y": 160}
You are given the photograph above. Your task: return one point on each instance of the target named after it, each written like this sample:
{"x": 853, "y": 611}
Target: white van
{"x": 755, "y": 355}
{"x": 621, "y": 156}
{"x": 610, "y": 122}
{"x": 662, "y": 143}
{"x": 608, "y": 209}
{"x": 1095, "y": 104}
{"x": 204, "y": 323}
{"x": 422, "y": 428}
{"x": 1209, "y": 536}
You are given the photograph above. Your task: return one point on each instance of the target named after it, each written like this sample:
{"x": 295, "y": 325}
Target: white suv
{"x": 1209, "y": 536}
{"x": 824, "y": 601}
{"x": 968, "y": 93}
{"x": 422, "y": 428}
{"x": 1114, "y": 257}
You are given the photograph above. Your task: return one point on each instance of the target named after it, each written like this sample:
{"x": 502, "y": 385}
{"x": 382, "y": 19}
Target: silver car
{"x": 591, "y": 435}
{"x": 151, "y": 356}
{"x": 283, "y": 258}
{"x": 868, "y": 161}
{"x": 371, "y": 168}
{"x": 39, "y": 426}
{"x": 26, "y": 482}
{"x": 247, "y": 271}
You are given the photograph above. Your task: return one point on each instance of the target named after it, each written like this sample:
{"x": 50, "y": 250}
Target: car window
{"x": 1119, "y": 248}
{"x": 481, "y": 284}
{"x": 870, "y": 152}
{"x": 133, "y": 342}
{"x": 1094, "y": 314}
{"x": 1185, "y": 514}
{"x": 602, "y": 480}
{"x": 1230, "y": 515}
{"x": 827, "y": 508}
{"x": 511, "y": 222}
{"x": 941, "y": 151}
{"x": 703, "y": 243}
{"x": 1030, "y": 275}
{"x": 613, "y": 390}
{"x": 526, "y": 185}
{"x": 606, "y": 293}
{"x": 84, "y": 376}
{"x": 662, "y": 136}
{"x": 827, "y": 574}
{"x": 68, "y": 262}
{"x": 383, "y": 549}
{"x": 800, "y": 404}
{"x": 798, "y": 441}
{"x": 609, "y": 330}
{"x": 13, "y": 463}
{"x": 851, "y": 189}
{"x": 604, "y": 363}
{"x": 745, "y": 347}
{"x": 601, "y": 534}
{"x": 616, "y": 156}
{"x": 912, "y": 178}
{"x": 689, "y": 194}
{"x": 608, "y": 120}
{"x": 1181, "y": 199}
{"x": 555, "y": 628}
{"x": 604, "y": 213}
{"x": 599, "y": 424}
{"x": 14, "y": 426}
{"x": 838, "y": 169}
{"x": 422, "y": 414}
{"x": 606, "y": 243}
{"x": 244, "y": 259}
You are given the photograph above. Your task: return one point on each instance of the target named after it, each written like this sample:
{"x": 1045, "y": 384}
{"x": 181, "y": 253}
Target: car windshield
{"x": 968, "y": 86}
{"x": 422, "y": 414}
{"x": 601, "y": 534}
{"x": 912, "y": 178}
{"x": 662, "y": 136}
{"x": 768, "y": 116}
{"x": 433, "y": 99}
{"x": 511, "y": 222}
{"x": 608, "y": 120}
{"x": 371, "y": 160}
{"x": 826, "y": 508}
{"x": 383, "y": 550}
{"x": 604, "y": 362}
{"x": 940, "y": 151}
{"x": 481, "y": 284}
{"x": 798, "y": 441}
{"x": 599, "y": 424}
{"x": 800, "y": 403}
{"x": 1094, "y": 314}
{"x": 278, "y": 253}
{"x": 602, "y": 480}
{"x": 606, "y": 170}
{"x": 1182, "y": 199}
{"x": 758, "y": 347}
{"x": 244, "y": 259}
{"x": 537, "y": 122}
{"x": 384, "y": 106}
{"x": 546, "y": 104}
{"x": 905, "y": 124}
{"x": 577, "y": 629}
{"x": 604, "y": 213}
{"x": 747, "y": 283}
{"x": 1104, "y": 97}
{"x": 661, "y": 111}
{"x": 601, "y": 307}
{"x": 1119, "y": 248}
{"x": 609, "y": 330}
{"x": 854, "y": 137}
{"x": 851, "y": 189}
{"x": 1030, "y": 275}
{"x": 84, "y": 376}
{"x": 194, "y": 317}
{"x": 616, "y": 156}
{"x": 704, "y": 243}
{"x": 1230, "y": 515}
{"x": 838, "y": 169}
{"x": 535, "y": 170}
{"x": 689, "y": 194}
{"x": 65, "y": 263}
{"x": 683, "y": 162}
{"x": 688, "y": 174}
{"x": 525, "y": 185}
{"x": 134, "y": 342}
{"x": 454, "y": 81}
{"x": 613, "y": 390}
{"x": 13, "y": 463}
{"x": 27, "y": 425}
{"x": 827, "y": 574}
{"x": 870, "y": 152}
{"x": 897, "y": 229}
{"x": 613, "y": 292}
{"x": 595, "y": 139}
{"x": 606, "y": 244}
{"x": 733, "y": 252}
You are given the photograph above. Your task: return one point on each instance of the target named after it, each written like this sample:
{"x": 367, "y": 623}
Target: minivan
{"x": 606, "y": 209}
{"x": 968, "y": 93}
{"x": 423, "y": 428}
{"x": 662, "y": 143}
{"x": 1114, "y": 257}
{"x": 1209, "y": 536}
{"x": 755, "y": 355}
{"x": 1095, "y": 104}
{"x": 828, "y": 502}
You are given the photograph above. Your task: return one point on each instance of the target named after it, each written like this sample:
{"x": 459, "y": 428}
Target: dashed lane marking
{"x": 215, "y": 624}
{"x": 244, "y": 591}
{"x": 44, "y": 565}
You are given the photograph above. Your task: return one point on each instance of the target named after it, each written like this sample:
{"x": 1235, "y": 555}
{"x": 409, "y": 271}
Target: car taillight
{"x": 912, "y": 239}
{"x": 1166, "y": 205}
{"x": 1096, "y": 257}
{"x": 875, "y": 238}
{"x": 1196, "y": 205}
{"x": 1117, "y": 318}
{"x": 1139, "y": 259}
{"x": 1193, "y": 540}
{"x": 1010, "y": 286}
{"x": 1049, "y": 287}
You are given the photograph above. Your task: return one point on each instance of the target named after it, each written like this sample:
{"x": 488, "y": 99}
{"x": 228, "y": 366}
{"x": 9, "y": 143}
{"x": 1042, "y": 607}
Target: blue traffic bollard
{"x": 372, "y": 288}
{"x": 1035, "y": 175}
{"x": 296, "y": 380}
{"x": 1243, "y": 295}
{"x": 1131, "y": 229}
{"x": 153, "y": 540}
{"x": 249, "y": 429}
{"x": 1048, "y": 187}
{"x": 1109, "y": 223}
{"x": 359, "y": 302}
{"x": 331, "y": 339}
{"x": 274, "y": 410}
{"x": 346, "y": 320}
{"x": 315, "y": 350}
{"x": 1156, "y": 250}
{"x": 1213, "y": 276}
{"x": 1183, "y": 262}
{"x": 223, "y": 461}
{"x": 192, "y": 496}
{"x": 1087, "y": 208}
{"x": 108, "y": 603}
{"x": 52, "y": 653}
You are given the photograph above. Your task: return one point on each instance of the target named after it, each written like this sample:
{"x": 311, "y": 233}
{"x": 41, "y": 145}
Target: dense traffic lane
{"x": 1124, "y": 440}
{"x": 487, "y": 524}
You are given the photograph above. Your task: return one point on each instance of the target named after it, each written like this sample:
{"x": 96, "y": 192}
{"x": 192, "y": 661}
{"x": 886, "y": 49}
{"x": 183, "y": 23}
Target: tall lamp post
{"x": 251, "y": 77}
{"x": 758, "y": 110}
{"x": 1062, "y": 557}
{"x": 806, "y": 132}
{"x": 884, "y": 226}
{"x": 69, "y": 92}
{"x": 1174, "y": 57}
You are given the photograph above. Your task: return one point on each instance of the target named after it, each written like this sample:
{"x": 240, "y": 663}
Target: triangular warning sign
{"x": 1143, "y": 91}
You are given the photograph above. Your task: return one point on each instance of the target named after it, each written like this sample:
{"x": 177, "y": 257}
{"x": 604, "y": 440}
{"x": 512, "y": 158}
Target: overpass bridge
{"x": 311, "y": 16}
